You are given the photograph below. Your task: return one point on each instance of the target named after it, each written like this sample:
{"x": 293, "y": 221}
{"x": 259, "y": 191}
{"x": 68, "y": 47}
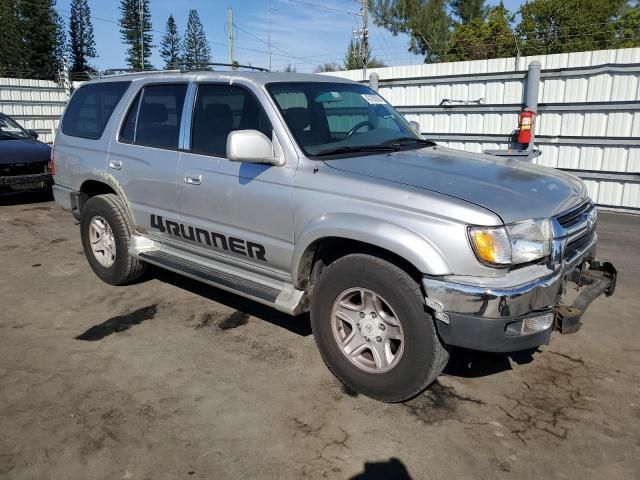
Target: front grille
{"x": 577, "y": 245}
{"x": 19, "y": 169}
{"x": 569, "y": 219}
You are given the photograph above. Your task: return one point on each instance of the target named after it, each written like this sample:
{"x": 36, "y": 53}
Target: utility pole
{"x": 141, "y": 19}
{"x": 269, "y": 34}
{"x": 362, "y": 36}
{"x": 230, "y": 30}
{"x": 365, "y": 36}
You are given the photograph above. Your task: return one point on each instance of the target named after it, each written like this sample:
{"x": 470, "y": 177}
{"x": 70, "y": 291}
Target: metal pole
{"x": 374, "y": 80}
{"x": 141, "y": 17}
{"x": 269, "y": 34}
{"x": 365, "y": 37}
{"x": 531, "y": 93}
{"x": 230, "y": 27}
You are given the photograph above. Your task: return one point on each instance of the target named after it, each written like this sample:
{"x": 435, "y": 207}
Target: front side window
{"x": 154, "y": 117}
{"x": 333, "y": 118}
{"x": 91, "y": 107}
{"x": 220, "y": 110}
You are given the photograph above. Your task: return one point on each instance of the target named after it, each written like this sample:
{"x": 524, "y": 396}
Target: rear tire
{"x": 408, "y": 367}
{"x": 106, "y": 233}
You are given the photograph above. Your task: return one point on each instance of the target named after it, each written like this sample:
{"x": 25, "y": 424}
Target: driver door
{"x": 240, "y": 212}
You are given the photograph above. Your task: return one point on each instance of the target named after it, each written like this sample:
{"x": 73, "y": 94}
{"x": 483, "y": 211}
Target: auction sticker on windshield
{"x": 373, "y": 99}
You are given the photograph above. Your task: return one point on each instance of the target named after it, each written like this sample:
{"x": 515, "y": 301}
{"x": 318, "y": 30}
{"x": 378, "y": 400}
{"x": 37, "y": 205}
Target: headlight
{"x": 512, "y": 244}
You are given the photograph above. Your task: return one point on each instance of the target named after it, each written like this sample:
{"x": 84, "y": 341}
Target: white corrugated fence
{"x": 589, "y": 112}
{"x": 34, "y": 104}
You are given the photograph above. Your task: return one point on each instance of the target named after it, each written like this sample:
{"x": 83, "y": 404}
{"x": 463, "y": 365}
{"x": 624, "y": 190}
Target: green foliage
{"x": 559, "y": 26}
{"x": 545, "y": 27}
{"x": 197, "y": 52}
{"x": 82, "y": 45}
{"x": 354, "y": 61}
{"x": 42, "y": 38}
{"x": 467, "y": 10}
{"x": 171, "y": 44}
{"x": 136, "y": 32}
{"x": 426, "y": 21}
{"x": 628, "y": 28}
{"x": 10, "y": 40}
{"x": 479, "y": 38}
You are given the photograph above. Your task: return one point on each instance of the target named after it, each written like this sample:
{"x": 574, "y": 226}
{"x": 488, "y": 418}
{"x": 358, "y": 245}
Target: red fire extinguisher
{"x": 525, "y": 126}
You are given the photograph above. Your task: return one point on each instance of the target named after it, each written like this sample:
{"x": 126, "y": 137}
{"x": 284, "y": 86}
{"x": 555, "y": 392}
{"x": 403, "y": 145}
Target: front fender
{"x": 413, "y": 248}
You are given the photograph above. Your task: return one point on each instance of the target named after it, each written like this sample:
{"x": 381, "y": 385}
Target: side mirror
{"x": 33, "y": 134}
{"x": 251, "y": 146}
{"x": 415, "y": 125}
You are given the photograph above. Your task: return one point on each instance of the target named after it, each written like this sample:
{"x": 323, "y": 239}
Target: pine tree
{"x": 353, "y": 59}
{"x": 197, "y": 52}
{"x": 9, "y": 40}
{"x": 426, "y": 21}
{"x": 135, "y": 31}
{"x": 561, "y": 26}
{"x": 43, "y": 44}
{"x": 171, "y": 44}
{"x": 467, "y": 10}
{"x": 82, "y": 45}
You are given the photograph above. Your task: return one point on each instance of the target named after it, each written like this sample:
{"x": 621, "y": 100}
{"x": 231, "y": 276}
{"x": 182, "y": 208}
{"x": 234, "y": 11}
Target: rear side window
{"x": 220, "y": 110}
{"x": 154, "y": 117}
{"x": 90, "y": 109}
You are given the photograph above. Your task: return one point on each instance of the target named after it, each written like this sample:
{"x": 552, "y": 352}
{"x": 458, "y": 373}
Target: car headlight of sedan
{"x": 512, "y": 244}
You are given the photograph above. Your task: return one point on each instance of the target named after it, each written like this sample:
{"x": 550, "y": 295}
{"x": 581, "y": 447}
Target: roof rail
{"x": 116, "y": 72}
{"x": 234, "y": 66}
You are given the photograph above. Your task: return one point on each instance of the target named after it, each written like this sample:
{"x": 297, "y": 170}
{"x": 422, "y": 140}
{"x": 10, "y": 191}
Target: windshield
{"x": 10, "y": 130}
{"x": 341, "y": 118}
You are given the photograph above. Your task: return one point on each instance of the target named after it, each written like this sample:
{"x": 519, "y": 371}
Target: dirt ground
{"x": 172, "y": 379}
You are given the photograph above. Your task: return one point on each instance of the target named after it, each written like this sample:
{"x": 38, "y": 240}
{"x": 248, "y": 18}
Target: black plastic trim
{"x": 489, "y": 334}
{"x": 209, "y": 275}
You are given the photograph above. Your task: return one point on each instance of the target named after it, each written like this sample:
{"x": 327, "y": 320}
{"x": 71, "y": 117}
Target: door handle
{"x": 193, "y": 179}
{"x": 115, "y": 164}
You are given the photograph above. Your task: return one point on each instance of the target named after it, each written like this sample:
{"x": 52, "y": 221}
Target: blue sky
{"x": 301, "y": 35}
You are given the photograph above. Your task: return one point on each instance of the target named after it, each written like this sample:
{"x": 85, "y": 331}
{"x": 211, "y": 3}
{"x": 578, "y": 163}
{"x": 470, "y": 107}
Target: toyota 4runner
{"x": 312, "y": 193}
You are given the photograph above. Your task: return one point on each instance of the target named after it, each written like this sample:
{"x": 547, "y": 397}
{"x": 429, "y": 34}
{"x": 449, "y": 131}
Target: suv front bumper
{"x": 488, "y": 313}
{"x": 34, "y": 181}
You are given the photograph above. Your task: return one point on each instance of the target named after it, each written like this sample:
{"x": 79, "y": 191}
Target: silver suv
{"x": 312, "y": 193}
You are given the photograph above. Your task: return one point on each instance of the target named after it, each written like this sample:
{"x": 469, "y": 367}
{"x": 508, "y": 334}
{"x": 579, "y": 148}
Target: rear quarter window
{"x": 91, "y": 107}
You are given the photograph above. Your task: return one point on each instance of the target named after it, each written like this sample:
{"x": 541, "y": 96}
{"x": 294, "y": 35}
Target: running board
{"x": 279, "y": 295}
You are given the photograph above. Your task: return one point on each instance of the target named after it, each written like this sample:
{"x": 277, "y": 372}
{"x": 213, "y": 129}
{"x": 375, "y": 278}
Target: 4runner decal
{"x": 205, "y": 237}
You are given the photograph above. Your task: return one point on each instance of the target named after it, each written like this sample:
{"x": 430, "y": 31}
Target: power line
{"x": 289, "y": 55}
{"x": 324, "y": 7}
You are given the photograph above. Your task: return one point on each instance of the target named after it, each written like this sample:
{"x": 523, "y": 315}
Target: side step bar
{"x": 286, "y": 298}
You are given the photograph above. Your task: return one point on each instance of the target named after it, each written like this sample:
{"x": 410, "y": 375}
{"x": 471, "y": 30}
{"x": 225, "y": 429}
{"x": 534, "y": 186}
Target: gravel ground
{"x": 169, "y": 378}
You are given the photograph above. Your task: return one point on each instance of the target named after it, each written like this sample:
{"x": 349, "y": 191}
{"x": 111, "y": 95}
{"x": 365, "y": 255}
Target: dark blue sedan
{"x": 24, "y": 161}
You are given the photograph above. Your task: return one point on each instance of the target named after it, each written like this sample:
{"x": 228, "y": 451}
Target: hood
{"x": 512, "y": 189}
{"x": 23, "y": 151}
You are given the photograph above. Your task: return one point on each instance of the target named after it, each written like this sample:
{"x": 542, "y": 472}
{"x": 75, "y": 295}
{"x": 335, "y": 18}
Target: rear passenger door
{"x": 240, "y": 211}
{"x": 143, "y": 159}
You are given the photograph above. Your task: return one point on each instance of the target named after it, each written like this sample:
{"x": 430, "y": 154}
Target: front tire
{"x": 106, "y": 233}
{"x": 370, "y": 324}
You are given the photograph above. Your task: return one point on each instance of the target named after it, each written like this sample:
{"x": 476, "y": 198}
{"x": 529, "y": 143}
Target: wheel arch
{"x": 101, "y": 186}
{"x": 332, "y": 236}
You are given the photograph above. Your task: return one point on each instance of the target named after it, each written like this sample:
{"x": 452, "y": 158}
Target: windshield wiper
{"x": 406, "y": 140}
{"x": 354, "y": 149}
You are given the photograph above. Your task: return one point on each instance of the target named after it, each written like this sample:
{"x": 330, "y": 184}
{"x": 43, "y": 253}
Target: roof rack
{"x": 116, "y": 72}
{"x": 234, "y": 66}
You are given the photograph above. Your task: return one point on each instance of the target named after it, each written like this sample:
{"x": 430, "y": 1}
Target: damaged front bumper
{"x": 496, "y": 317}
{"x": 520, "y": 310}
{"x": 34, "y": 181}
